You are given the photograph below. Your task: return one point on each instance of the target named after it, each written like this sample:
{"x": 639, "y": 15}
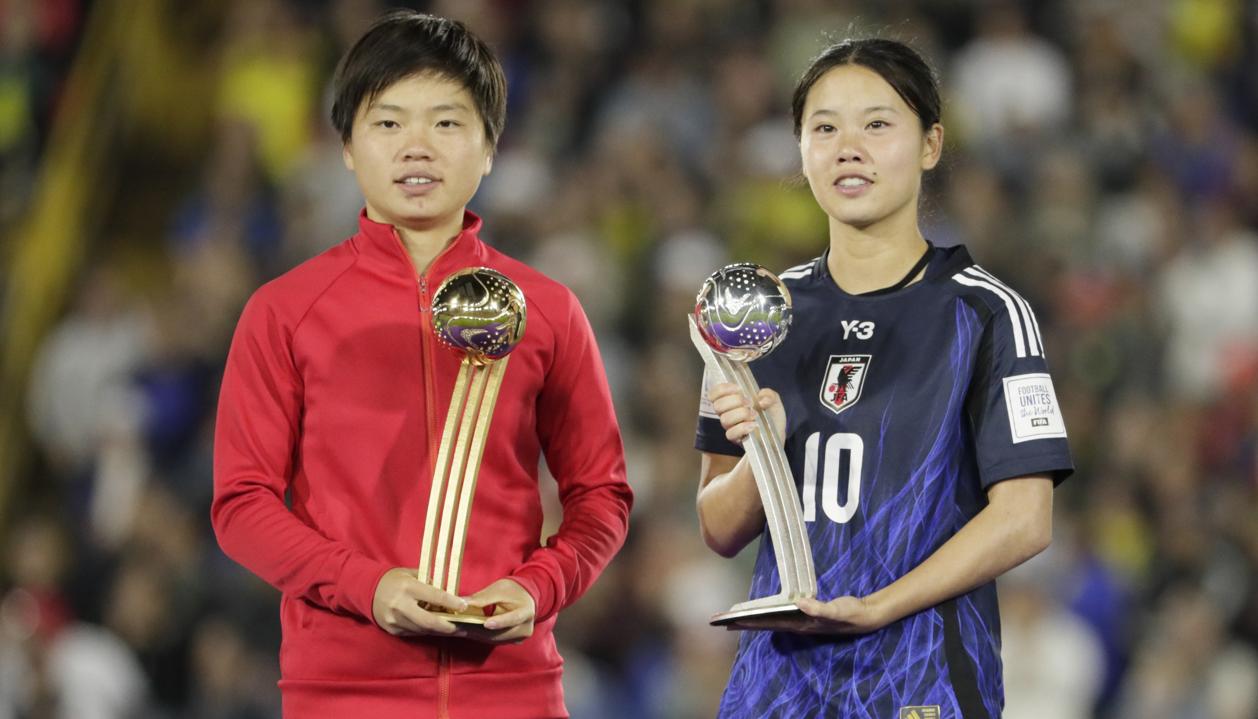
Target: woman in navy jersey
{"x": 918, "y": 415}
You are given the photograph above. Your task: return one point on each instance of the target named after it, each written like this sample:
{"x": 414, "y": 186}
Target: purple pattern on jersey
{"x": 898, "y": 525}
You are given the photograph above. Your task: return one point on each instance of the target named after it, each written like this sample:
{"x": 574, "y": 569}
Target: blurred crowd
{"x": 1101, "y": 157}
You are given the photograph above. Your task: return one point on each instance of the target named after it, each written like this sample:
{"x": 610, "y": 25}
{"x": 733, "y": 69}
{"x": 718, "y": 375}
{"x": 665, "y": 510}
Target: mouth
{"x": 416, "y": 178}
{"x": 853, "y": 185}
{"x": 418, "y": 184}
{"x": 852, "y": 181}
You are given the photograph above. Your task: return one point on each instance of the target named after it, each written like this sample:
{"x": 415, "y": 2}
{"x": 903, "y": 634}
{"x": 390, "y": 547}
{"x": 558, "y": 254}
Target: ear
{"x": 489, "y": 162}
{"x": 347, "y": 156}
{"x": 932, "y": 148}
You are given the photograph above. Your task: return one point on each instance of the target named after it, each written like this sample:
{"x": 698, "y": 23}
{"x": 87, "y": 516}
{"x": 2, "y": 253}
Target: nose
{"x": 418, "y": 146}
{"x": 850, "y": 154}
{"x": 849, "y": 144}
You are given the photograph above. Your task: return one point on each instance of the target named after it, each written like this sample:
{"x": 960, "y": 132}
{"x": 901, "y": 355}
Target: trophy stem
{"x": 484, "y": 417}
{"x": 450, "y": 505}
{"x": 437, "y": 493}
{"x": 458, "y": 464}
{"x": 776, "y": 486}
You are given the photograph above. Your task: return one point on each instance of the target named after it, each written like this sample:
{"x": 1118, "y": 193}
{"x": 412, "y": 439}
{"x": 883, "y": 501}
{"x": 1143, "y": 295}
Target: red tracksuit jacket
{"x": 335, "y": 391}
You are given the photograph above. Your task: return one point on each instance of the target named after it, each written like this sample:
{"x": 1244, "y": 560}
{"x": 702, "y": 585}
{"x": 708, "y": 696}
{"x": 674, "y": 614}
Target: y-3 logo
{"x": 862, "y": 330}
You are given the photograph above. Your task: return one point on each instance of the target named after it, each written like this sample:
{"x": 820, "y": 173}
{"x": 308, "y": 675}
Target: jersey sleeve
{"x": 709, "y": 435}
{"x": 1012, "y": 406}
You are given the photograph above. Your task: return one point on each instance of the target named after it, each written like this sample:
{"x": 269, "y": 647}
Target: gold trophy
{"x": 480, "y": 313}
{"x": 743, "y": 312}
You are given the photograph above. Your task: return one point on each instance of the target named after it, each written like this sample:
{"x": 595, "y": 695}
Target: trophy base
{"x": 472, "y": 625}
{"x": 784, "y": 617}
{"x": 754, "y": 617}
{"x": 461, "y": 618}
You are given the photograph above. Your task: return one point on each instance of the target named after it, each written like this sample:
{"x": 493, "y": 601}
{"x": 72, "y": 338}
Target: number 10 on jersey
{"x": 837, "y": 446}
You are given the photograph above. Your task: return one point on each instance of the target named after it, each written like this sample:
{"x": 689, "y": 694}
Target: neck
{"x": 864, "y": 259}
{"x": 424, "y": 242}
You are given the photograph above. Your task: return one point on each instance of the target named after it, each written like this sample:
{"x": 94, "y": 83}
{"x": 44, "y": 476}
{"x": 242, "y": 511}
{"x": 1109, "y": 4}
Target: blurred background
{"x": 161, "y": 159}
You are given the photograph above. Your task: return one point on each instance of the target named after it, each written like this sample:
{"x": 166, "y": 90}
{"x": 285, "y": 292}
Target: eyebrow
{"x": 868, "y": 110}
{"x": 444, "y": 107}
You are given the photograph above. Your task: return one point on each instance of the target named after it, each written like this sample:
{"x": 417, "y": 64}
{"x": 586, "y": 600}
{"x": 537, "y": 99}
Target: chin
{"x": 865, "y": 217}
{"x": 860, "y": 221}
{"x": 414, "y": 217}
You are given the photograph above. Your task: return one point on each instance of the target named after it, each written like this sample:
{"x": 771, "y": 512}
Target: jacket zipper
{"x": 443, "y": 682}
{"x": 430, "y": 383}
{"x": 426, "y": 329}
{"x": 425, "y": 322}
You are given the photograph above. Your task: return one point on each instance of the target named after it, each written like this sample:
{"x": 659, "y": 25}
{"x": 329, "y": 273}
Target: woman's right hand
{"x": 400, "y": 601}
{"x": 738, "y": 415}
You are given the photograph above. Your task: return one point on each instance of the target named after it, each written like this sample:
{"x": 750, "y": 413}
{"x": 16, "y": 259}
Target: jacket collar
{"x": 381, "y": 245}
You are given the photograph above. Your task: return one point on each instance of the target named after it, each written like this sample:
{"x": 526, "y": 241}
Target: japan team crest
{"x": 844, "y": 379}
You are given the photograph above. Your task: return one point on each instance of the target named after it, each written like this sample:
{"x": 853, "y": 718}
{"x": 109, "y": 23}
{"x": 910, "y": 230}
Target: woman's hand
{"x": 402, "y": 602}
{"x": 842, "y": 615}
{"x": 738, "y": 415}
{"x": 514, "y": 612}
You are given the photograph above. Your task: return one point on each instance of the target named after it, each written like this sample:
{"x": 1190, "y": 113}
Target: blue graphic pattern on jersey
{"x": 982, "y": 647}
{"x": 888, "y": 669}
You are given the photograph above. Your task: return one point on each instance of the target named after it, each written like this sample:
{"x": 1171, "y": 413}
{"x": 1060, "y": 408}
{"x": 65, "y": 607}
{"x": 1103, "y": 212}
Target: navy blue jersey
{"x": 902, "y": 409}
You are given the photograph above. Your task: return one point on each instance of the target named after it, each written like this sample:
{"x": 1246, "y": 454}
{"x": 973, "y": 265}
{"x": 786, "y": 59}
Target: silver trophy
{"x": 743, "y": 312}
{"x": 481, "y": 314}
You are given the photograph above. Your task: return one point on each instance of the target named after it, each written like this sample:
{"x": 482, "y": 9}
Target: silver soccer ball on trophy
{"x": 481, "y": 312}
{"x": 743, "y": 311}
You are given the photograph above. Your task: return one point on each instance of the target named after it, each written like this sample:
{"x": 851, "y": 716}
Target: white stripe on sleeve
{"x": 1014, "y": 318}
{"x": 1028, "y": 317}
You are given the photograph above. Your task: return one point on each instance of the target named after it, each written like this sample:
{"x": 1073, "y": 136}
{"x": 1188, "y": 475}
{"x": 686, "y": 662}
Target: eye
{"x": 449, "y": 123}
{"x": 824, "y": 128}
{"x": 386, "y": 124}
{"x": 878, "y": 125}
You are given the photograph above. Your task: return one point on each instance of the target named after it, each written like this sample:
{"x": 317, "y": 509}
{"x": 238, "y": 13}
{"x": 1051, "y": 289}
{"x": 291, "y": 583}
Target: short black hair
{"x": 404, "y": 43}
{"x": 897, "y": 63}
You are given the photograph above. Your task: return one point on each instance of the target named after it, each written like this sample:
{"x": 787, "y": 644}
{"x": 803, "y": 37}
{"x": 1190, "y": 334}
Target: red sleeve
{"x": 581, "y": 440}
{"x": 255, "y": 441}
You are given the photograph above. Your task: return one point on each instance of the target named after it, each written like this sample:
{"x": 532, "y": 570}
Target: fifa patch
{"x": 843, "y": 381}
{"x": 1033, "y": 410}
{"x": 928, "y": 712}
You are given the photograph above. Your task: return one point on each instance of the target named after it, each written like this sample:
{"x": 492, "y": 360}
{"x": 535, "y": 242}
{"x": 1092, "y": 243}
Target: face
{"x": 863, "y": 149}
{"x": 419, "y": 152}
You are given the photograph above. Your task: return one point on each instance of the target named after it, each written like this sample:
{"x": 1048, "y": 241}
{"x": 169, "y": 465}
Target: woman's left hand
{"x": 842, "y": 615}
{"x": 514, "y": 612}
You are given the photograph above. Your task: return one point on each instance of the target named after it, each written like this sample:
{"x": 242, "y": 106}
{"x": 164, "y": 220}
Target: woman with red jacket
{"x": 334, "y": 396}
